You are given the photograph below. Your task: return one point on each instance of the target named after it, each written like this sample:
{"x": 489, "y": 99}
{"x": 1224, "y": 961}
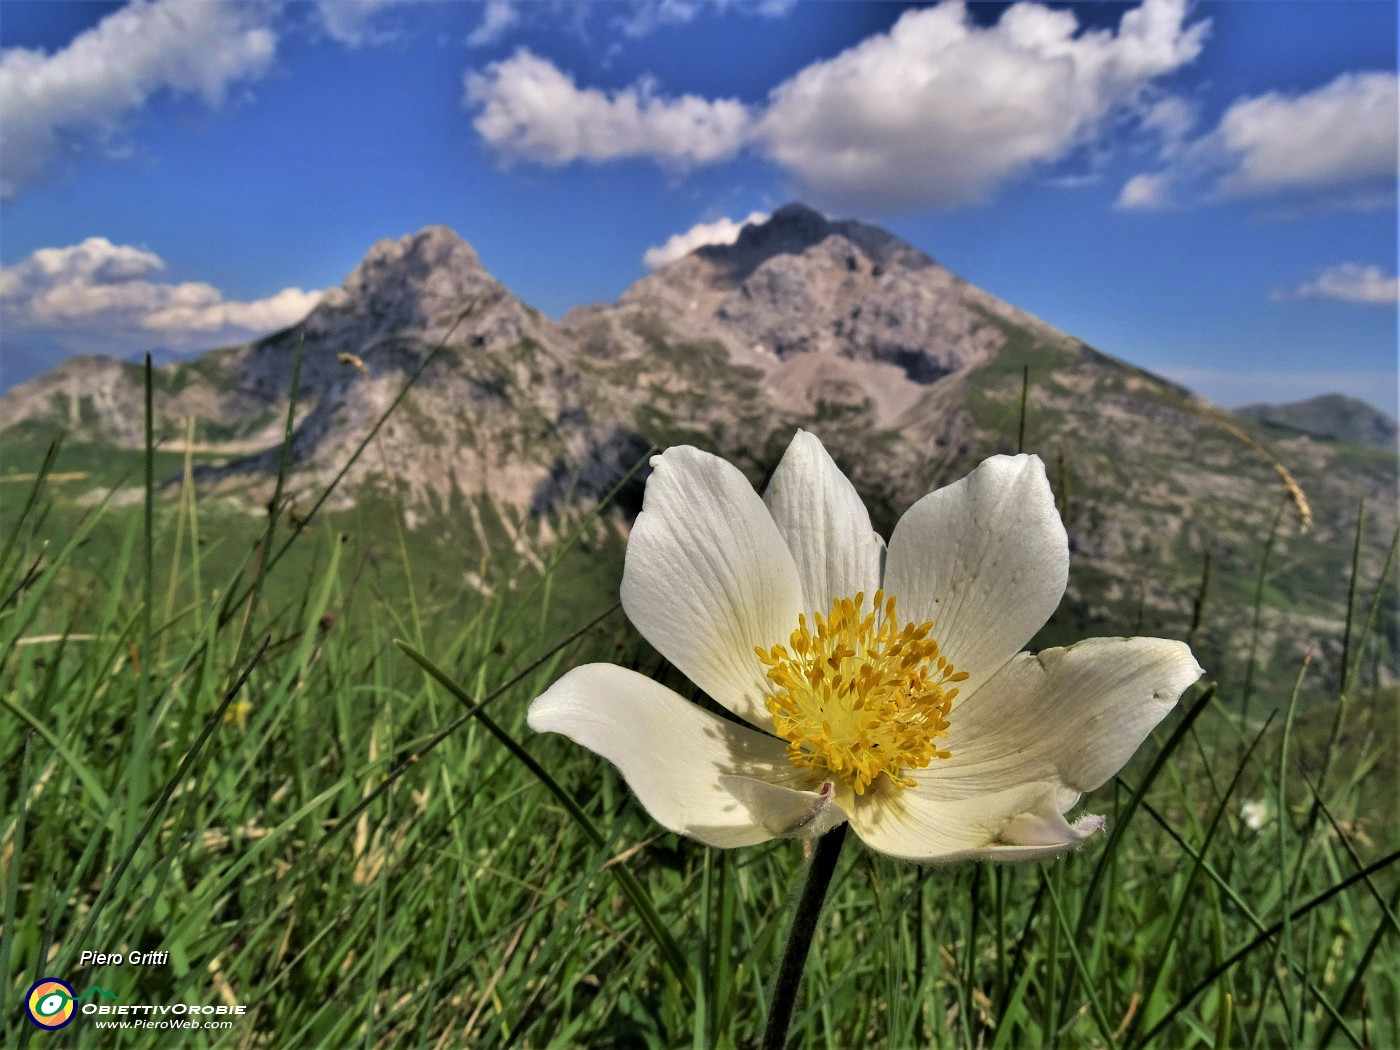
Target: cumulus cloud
{"x": 1340, "y": 133}
{"x": 1337, "y": 142}
{"x": 530, "y": 110}
{"x": 721, "y": 231}
{"x": 57, "y": 102}
{"x": 938, "y": 111}
{"x": 1350, "y": 283}
{"x": 100, "y": 295}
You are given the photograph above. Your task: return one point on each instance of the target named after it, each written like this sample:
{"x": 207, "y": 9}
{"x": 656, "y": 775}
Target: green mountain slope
{"x": 514, "y": 426}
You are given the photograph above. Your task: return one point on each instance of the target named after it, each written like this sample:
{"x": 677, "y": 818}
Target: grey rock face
{"x": 493, "y": 410}
{"x": 829, "y": 312}
{"x": 414, "y": 285}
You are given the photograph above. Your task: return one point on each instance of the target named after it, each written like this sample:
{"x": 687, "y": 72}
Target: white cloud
{"x": 54, "y": 103}
{"x": 1350, "y": 283}
{"x": 1171, "y": 118}
{"x": 99, "y": 294}
{"x": 1337, "y": 142}
{"x": 1145, "y": 191}
{"x": 206, "y": 310}
{"x": 938, "y": 111}
{"x": 530, "y": 110}
{"x": 499, "y": 16}
{"x": 352, "y": 22}
{"x": 646, "y": 16}
{"x": 1343, "y": 132}
{"x": 721, "y": 231}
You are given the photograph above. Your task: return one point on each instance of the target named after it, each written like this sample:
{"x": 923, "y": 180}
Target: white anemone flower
{"x": 886, "y": 688}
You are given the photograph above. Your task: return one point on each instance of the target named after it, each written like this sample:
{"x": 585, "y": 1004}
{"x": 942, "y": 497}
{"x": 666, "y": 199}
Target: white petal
{"x": 1047, "y": 827}
{"x": 1071, "y": 717}
{"x": 708, "y": 577}
{"x": 824, "y": 524}
{"x": 695, "y": 773}
{"x": 789, "y": 812}
{"x": 986, "y": 559}
{"x": 1021, "y": 823}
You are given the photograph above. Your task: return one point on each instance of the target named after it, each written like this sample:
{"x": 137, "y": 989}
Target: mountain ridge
{"x": 1328, "y": 417}
{"x": 907, "y": 372}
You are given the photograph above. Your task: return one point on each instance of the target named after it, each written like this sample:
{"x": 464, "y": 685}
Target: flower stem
{"x": 799, "y": 941}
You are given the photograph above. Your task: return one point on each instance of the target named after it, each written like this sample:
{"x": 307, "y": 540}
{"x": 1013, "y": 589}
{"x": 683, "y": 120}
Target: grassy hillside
{"x": 1168, "y": 500}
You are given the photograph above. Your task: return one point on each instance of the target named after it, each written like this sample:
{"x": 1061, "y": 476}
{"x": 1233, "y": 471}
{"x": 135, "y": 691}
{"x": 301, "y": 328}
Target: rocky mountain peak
{"x": 796, "y": 230}
{"x": 412, "y": 284}
{"x": 434, "y": 260}
{"x": 792, "y": 228}
{"x": 831, "y": 309}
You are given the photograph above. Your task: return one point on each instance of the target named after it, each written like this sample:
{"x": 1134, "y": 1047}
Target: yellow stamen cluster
{"x": 861, "y": 695}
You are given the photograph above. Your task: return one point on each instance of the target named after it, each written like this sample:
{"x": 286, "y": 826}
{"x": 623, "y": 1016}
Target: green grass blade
{"x": 1242, "y": 953}
{"x": 155, "y": 811}
{"x": 634, "y": 890}
{"x": 1179, "y": 910}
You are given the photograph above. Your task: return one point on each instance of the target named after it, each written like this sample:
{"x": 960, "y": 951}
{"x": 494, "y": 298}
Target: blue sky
{"x": 1206, "y": 190}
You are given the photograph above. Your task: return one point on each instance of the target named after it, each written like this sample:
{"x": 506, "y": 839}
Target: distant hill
{"x": 1330, "y": 417}
{"x": 909, "y": 374}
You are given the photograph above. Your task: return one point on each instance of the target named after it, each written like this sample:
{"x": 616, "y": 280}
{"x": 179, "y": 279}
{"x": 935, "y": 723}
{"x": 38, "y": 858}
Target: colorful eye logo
{"x": 50, "y": 1003}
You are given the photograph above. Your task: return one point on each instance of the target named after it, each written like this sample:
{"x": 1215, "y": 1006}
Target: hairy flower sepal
{"x": 982, "y": 748}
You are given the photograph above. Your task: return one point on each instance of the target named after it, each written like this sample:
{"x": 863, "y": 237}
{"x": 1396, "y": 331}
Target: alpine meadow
{"x": 800, "y": 645}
